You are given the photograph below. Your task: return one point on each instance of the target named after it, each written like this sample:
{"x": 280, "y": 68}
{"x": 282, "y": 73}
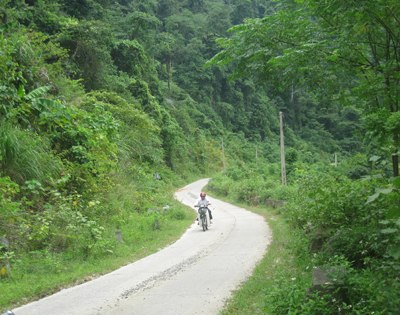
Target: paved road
{"x": 194, "y": 275}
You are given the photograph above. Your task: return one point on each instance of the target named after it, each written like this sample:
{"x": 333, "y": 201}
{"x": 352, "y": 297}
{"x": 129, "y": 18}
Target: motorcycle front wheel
{"x": 204, "y": 223}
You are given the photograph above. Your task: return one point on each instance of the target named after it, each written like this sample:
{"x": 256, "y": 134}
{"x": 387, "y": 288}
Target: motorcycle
{"x": 203, "y": 217}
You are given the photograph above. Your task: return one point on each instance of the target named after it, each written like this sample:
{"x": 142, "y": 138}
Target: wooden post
{"x": 283, "y": 163}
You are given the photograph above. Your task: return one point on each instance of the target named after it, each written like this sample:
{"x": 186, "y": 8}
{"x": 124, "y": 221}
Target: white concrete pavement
{"x": 194, "y": 275}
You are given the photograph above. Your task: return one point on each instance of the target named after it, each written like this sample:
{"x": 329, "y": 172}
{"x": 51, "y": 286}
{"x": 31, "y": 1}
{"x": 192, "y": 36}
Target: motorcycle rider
{"x": 203, "y": 202}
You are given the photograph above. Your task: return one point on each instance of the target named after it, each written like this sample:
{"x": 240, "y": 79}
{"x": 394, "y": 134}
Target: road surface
{"x": 194, "y": 275}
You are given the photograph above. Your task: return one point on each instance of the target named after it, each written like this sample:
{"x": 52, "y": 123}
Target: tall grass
{"x": 24, "y": 155}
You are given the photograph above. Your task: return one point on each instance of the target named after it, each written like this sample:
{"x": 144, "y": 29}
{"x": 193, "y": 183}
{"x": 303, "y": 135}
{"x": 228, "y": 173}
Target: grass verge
{"x": 286, "y": 264}
{"x": 41, "y": 273}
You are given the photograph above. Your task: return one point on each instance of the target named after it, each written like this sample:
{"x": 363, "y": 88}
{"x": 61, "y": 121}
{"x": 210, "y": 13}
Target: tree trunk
{"x": 395, "y": 162}
{"x": 395, "y": 156}
{"x": 169, "y": 70}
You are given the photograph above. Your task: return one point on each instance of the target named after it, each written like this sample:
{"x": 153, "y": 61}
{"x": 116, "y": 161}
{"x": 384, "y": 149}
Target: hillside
{"x": 107, "y": 106}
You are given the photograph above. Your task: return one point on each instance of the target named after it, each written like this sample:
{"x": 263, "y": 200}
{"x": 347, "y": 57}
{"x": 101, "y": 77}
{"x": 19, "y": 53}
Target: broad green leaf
{"x": 384, "y": 190}
{"x": 374, "y": 158}
{"x": 372, "y": 197}
{"x": 389, "y": 231}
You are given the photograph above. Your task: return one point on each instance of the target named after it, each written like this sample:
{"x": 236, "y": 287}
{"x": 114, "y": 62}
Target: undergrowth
{"x": 40, "y": 272}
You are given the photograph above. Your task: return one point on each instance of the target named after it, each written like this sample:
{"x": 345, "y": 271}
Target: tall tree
{"x": 346, "y": 50}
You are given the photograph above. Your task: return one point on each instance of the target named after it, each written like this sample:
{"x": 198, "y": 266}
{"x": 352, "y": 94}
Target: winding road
{"x": 194, "y": 275}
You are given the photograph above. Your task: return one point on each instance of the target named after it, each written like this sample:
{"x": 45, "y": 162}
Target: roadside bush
{"x": 354, "y": 292}
{"x": 373, "y": 291}
{"x": 221, "y": 185}
{"x": 153, "y": 220}
{"x": 359, "y": 244}
{"x": 355, "y": 167}
{"x": 176, "y": 214}
{"x": 255, "y": 190}
{"x": 281, "y": 192}
{"x": 359, "y": 221}
{"x": 255, "y": 184}
{"x": 329, "y": 201}
{"x": 64, "y": 223}
{"x": 9, "y": 208}
{"x": 85, "y": 235}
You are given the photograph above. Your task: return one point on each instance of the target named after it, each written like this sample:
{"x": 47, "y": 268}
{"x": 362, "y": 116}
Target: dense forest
{"x": 107, "y": 106}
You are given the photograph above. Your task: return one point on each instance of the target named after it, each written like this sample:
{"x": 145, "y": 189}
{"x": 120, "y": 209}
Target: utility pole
{"x": 256, "y": 153}
{"x": 283, "y": 163}
{"x": 335, "y": 159}
{"x": 223, "y": 155}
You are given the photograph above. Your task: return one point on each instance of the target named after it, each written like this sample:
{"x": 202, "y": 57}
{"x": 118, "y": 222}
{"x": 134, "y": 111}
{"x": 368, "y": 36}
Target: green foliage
{"x": 357, "y": 221}
{"x": 138, "y": 134}
{"x": 11, "y": 77}
{"x": 140, "y": 26}
{"x": 172, "y": 137}
{"x": 98, "y": 97}
{"x": 88, "y": 43}
{"x": 25, "y": 155}
{"x": 350, "y": 226}
{"x": 219, "y": 18}
{"x": 286, "y": 297}
{"x": 129, "y": 57}
{"x": 336, "y": 201}
{"x": 384, "y": 127}
{"x": 141, "y": 92}
{"x": 9, "y": 208}
{"x": 254, "y": 184}
{"x": 327, "y": 55}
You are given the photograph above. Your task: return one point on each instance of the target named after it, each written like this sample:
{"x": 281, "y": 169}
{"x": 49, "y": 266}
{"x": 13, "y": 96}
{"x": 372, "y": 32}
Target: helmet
{"x": 202, "y": 194}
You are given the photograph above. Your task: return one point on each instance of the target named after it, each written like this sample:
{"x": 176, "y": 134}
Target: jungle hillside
{"x": 107, "y": 107}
